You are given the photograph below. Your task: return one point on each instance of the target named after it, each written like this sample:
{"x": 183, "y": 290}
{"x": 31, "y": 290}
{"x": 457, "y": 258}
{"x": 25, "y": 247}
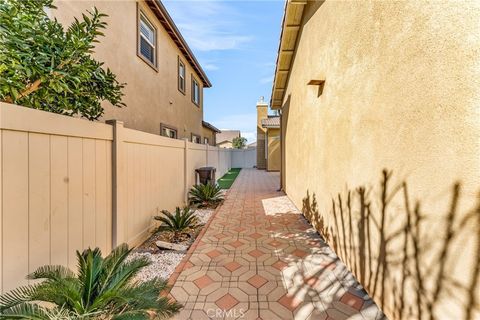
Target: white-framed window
{"x": 195, "y": 91}
{"x": 167, "y": 131}
{"x": 181, "y": 76}
{"x": 147, "y": 40}
{"x": 205, "y": 140}
{"x": 196, "y": 138}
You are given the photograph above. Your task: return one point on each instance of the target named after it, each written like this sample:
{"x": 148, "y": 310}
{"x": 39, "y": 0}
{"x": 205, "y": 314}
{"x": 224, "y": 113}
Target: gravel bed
{"x": 204, "y": 214}
{"x": 163, "y": 262}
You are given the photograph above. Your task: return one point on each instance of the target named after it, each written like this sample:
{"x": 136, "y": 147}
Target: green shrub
{"x": 206, "y": 195}
{"x": 46, "y": 66}
{"x": 103, "y": 288}
{"x": 179, "y": 223}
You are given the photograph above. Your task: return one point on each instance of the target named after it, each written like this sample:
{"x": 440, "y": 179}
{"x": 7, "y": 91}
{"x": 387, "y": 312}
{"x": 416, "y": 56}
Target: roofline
{"x": 210, "y": 126}
{"x": 270, "y": 126}
{"x": 167, "y": 22}
{"x": 223, "y": 141}
{"x": 288, "y": 3}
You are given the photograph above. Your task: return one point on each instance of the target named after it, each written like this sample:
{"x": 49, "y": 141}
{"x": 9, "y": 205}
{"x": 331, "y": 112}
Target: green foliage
{"x": 239, "y": 142}
{"x": 206, "y": 194}
{"x": 103, "y": 288}
{"x": 44, "y": 67}
{"x": 179, "y": 223}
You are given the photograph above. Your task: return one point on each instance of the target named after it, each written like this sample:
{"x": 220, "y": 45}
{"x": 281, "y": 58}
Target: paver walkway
{"x": 259, "y": 258}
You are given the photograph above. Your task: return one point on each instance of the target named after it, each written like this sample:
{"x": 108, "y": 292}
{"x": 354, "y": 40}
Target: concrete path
{"x": 260, "y": 259}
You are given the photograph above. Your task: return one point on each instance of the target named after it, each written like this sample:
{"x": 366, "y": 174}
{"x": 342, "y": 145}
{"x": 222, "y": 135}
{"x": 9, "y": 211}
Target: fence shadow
{"x": 406, "y": 258}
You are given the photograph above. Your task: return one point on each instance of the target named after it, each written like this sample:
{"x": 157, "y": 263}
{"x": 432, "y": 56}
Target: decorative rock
{"x": 171, "y": 246}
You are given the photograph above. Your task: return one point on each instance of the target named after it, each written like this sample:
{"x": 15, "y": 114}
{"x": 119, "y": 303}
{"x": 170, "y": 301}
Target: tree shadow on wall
{"x": 406, "y": 259}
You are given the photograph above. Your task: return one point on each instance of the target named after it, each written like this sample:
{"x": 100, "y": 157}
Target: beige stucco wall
{"x": 273, "y": 156}
{"x": 210, "y": 134}
{"x": 402, "y": 92}
{"x": 152, "y": 97}
{"x": 225, "y": 144}
{"x": 262, "y": 113}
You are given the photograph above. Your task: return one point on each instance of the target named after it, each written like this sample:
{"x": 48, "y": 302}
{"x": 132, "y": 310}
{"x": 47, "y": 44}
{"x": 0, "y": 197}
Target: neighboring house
{"x": 225, "y": 138}
{"x": 209, "y": 133}
{"x": 252, "y": 145}
{"x": 144, "y": 48}
{"x": 268, "y": 138}
{"x": 366, "y": 86}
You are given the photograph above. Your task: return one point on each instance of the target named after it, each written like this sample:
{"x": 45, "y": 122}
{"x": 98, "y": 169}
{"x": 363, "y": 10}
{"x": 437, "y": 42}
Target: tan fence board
{"x": 15, "y": 208}
{"x": 75, "y": 198}
{"x": 38, "y": 200}
{"x": 59, "y": 200}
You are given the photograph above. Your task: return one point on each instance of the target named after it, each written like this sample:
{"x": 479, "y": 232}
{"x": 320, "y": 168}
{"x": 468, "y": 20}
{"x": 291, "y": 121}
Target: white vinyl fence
{"x": 244, "y": 158}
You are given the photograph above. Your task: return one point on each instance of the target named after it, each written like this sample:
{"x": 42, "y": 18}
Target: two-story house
{"x": 142, "y": 45}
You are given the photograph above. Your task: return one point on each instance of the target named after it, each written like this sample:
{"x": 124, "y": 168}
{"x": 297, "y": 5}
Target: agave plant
{"x": 179, "y": 223}
{"x": 206, "y": 195}
{"x": 102, "y": 288}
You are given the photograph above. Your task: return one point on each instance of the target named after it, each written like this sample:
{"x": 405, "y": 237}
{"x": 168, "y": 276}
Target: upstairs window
{"x": 205, "y": 140}
{"x": 167, "y": 131}
{"x": 196, "y": 138}
{"x": 181, "y": 76}
{"x": 195, "y": 92}
{"x": 147, "y": 41}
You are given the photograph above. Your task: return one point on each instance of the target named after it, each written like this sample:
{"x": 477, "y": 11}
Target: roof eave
{"x": 291, "y": 23}
{"x": 211, "y": 127}
{"x": 164, "y": 17}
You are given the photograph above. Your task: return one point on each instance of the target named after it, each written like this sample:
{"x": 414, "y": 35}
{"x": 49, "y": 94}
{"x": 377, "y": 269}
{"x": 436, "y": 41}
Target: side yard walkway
{"x": 259, "y": 258}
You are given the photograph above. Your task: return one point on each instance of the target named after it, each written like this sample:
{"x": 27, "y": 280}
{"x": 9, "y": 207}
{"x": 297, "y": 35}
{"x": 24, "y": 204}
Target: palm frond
{"x": 103, "y": 289}
{"x": 180, "y": 222}
{"x": 206, "y": 194}
{"x": 111, "y": 264}
{"x": 90, "y": 266}
{"x": 51, "y": 272}
{"x": 152, "y": 300}
{"x": 30, "y": 311}
{"x": 17, "y": 296}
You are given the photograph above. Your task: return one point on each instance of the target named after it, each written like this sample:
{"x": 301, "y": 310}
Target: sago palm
{"x": 102, "y": 288}
{"x": 206, "y": 194}
{"x": 179, "y": 223}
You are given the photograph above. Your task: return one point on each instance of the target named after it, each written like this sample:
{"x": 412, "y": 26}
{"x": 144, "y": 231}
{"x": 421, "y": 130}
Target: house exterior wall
{"x": 152, "y": 97}
{"x": 225, "y": 144}
{"x": 402, "y": 92}
{"x": 262, "y": 111}
{"x": 273, "y": 154}
{"x": 210, "y": 134}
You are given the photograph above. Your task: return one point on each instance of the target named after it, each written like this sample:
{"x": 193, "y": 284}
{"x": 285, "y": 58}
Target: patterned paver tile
{"x": 260, "y": 259}
{"x": 257, "y": 281}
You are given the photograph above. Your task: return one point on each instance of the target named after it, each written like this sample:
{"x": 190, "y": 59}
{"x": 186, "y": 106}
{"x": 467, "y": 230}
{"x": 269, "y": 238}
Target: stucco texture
{"x": 402, "y": 93}
{"x": 152, "y": 96}
{"x": 273, "y": 156}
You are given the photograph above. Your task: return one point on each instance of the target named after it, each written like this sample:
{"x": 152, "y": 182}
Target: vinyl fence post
{"x": 118, "y": 183}
{"x": 185, "y": 170}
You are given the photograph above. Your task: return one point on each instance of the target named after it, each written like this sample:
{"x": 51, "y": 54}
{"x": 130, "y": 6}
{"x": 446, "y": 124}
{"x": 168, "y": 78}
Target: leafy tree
{"x": 102, "y": 288}
{"x": 239, "y": 142}
{"x": 42, "y": 66}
